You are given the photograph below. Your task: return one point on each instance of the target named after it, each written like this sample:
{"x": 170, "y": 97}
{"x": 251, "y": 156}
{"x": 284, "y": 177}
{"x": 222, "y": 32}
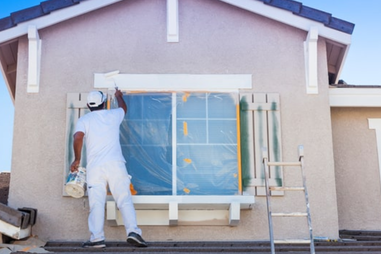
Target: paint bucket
{"x": 76, "y": 183}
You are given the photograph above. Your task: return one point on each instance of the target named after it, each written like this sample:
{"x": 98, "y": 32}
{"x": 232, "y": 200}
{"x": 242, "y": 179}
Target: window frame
{"x": 228, "y": 206}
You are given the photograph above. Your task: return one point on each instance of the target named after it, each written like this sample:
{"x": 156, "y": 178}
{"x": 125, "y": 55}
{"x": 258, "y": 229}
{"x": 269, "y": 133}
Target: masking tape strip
{"x": 185, "y": 128}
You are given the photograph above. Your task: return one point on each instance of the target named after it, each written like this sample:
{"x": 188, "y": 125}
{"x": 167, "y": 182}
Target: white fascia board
{"x": 355, "y": 97}
{"x": 55, "y": 17}
{"x": 174, "y": 82}
{"x": 288, "y": 18}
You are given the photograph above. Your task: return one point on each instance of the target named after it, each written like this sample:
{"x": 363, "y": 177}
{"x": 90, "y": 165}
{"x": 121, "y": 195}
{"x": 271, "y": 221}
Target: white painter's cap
{"x": 95, "y": 98}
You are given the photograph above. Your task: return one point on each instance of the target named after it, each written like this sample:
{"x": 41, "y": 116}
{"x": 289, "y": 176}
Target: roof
{"x": 296, "y": 8}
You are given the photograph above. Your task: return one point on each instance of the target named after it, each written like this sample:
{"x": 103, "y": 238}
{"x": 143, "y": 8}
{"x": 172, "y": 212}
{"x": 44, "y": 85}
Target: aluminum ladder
{"x": 269, "y": 188}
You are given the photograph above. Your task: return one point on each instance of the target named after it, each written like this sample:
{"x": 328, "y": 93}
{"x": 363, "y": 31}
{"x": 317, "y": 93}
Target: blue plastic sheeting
{"x": 205, "y": 143}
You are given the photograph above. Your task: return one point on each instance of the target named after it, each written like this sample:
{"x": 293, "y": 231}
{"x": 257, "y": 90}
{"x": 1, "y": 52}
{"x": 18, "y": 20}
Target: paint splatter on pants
{"x": 116, "y": 175}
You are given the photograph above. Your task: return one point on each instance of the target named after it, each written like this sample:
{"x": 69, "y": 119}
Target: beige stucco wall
{"x": 356, "y": 168}
{"x": 130, "y": 36}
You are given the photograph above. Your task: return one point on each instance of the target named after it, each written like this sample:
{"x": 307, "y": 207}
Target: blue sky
{"x": 362, "y": 66}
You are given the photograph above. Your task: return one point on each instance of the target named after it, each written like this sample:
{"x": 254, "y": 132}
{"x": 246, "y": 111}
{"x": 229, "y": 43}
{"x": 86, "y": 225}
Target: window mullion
{"x": 207, "y": 117}
{"x": 174, "y": 144}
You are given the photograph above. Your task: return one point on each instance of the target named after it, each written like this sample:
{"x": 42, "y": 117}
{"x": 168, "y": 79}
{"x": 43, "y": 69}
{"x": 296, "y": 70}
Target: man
{"x": 105, "y": 165}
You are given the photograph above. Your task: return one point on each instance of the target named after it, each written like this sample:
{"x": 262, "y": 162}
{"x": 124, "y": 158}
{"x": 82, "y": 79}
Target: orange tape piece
{"x": 185, "y": 127}
{"x": 186, "y": 190}
{"x": 185, "y": 97}
{"x": 108, "y": 103}
{"x": 188, "y": 160}
{"x": 133, "y": 191}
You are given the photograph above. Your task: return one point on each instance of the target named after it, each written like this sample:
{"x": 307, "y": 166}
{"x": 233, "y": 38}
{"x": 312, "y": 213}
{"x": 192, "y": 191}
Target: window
{"x": 202, "y": 129}
{"x": 181, "y": 143}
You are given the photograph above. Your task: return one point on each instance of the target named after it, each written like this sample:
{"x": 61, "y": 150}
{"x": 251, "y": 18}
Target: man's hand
{"x": 74, "y": 166}
{"x": 118, "y": 93}
{"x": 119, "y": 98}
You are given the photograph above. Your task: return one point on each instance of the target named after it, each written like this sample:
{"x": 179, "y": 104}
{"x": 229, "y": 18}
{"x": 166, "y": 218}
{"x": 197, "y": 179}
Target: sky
{"x": 362, "y": 66}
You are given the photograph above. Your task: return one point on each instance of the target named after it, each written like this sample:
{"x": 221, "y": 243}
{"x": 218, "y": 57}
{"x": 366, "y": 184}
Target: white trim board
{"x": 375, "y": 124}
{"x": 173, "y": 82}
{"x": 311, "y": 62}
{"x": 183, "y": 210}
{"x": 355, "y": 97}
{"x": 172, "y": 21}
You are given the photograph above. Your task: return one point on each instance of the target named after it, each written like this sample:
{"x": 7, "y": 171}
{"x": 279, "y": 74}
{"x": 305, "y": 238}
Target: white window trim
{"x": 173, "y": 82}
{"x": 375, "y": 124}
{"x": 183, "y": 210}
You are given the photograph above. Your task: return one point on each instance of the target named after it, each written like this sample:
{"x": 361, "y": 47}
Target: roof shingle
{"x": 33, "y": 12}
{"x": 299, "y": 9}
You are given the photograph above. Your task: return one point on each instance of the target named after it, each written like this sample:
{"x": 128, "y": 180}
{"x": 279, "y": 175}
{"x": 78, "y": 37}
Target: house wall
{"x": 356, "y": 168}
{"x": 130, "y": 36}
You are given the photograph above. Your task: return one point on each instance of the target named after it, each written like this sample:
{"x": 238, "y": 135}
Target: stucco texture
{"x": 130, "y": 36}
{"x": 356, "y": 168}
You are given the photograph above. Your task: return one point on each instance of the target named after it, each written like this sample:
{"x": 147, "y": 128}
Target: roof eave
{"x": 289, "y": 18}
{"x": 55, "y": 17}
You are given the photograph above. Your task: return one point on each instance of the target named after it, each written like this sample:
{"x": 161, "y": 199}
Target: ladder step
{"x": 273, "y": 188}
{"x": 301, "y": 241}
{"x": 274, "y": 163}
{"x": 289, "y": 214}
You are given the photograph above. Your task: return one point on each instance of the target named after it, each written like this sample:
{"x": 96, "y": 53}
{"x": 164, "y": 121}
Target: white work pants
{"x": 116, "y": 175}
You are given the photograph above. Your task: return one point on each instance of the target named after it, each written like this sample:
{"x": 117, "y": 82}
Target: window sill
{"x": 184, "y": 210}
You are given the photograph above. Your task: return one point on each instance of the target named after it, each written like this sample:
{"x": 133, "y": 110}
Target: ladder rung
{"x": 284, "y": 163}
{"x": 273, "y": 188}
{"x": 289, "y": 214}
{"x": 293, "y": 241}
